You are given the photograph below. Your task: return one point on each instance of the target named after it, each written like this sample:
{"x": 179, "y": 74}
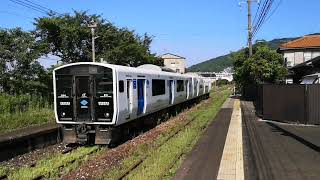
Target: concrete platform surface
{"x": 204, "y": 160}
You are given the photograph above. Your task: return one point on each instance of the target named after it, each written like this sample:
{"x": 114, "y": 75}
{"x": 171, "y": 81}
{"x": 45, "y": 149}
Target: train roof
{"x": 130, "y": 69}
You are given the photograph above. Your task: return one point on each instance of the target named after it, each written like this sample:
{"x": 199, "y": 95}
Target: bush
{"x": 23, "y": 110}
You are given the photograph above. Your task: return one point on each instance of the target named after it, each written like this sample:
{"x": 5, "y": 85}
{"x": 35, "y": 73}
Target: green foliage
{"x": 222, "y": 82}
{"x": 69, "y": 37}
{"x": 265, "y": 66}
{"x": 213, "y": 65}
{"x": 50, "y": 167}
{"x": 220, "y": 63}
{"x": 23, "y": 110}
{"x": 20, "y": 72}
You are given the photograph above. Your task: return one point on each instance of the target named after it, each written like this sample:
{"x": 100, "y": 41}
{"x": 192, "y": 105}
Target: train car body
{"x": 96, "y": 99}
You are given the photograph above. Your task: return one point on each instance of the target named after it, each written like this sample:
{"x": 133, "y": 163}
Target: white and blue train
{"x": 98, "y": 101}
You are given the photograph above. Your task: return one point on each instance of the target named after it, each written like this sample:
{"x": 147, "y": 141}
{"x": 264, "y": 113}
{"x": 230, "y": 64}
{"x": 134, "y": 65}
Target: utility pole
{"x": 249, "y": 28}
{"x": 93, "y": 26}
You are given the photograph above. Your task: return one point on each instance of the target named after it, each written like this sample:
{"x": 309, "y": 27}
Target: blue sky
{"x": 196, "y": 29}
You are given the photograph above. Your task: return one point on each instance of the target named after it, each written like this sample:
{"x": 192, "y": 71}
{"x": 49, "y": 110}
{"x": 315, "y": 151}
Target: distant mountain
{"x": 220, "y": 63}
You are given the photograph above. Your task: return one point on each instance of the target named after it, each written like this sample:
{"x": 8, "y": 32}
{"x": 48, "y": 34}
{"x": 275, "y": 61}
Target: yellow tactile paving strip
{"x": 231, "y": 165}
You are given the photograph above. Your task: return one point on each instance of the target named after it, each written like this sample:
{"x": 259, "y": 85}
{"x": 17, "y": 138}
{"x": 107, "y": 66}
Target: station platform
{"x": 218, "y": 153}
{"x": 239, "y": 145}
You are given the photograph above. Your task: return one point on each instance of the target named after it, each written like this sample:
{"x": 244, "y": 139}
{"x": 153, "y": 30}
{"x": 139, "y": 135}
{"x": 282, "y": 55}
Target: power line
{"x": 263, "y": 15}
{"x": 28, "y": 6}
{"x": 34, "y": 6}
{"x": 274, "y": 10}
{"x": 255, "y": 16}
{"x": 43, "y": 7}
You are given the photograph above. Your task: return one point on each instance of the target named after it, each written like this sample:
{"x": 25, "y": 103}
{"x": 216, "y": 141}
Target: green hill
{"x": 220, "y": 63}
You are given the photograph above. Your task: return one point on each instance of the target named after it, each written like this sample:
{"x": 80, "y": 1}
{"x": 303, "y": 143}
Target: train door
{"x": 195, "y": 88}
{"x": 141, "y": 89}
{"x": 129, "y": 97}
{"x": 83, "y": 98}
{"x": 188, "y": 89}
{"x": 171, "y": 91}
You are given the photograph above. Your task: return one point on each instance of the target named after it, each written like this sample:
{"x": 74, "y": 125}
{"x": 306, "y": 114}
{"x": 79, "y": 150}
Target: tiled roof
{"x": 310, "y": 41}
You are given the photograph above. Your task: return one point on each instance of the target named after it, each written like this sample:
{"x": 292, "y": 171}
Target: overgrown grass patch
{"x": 55, "y": 165}
{"x": 30, "y": 117}
{"x": 19, "y": 111}
{"x": 164, "y": 158}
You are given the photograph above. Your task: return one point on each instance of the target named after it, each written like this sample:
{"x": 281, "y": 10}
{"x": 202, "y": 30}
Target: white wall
{"x": 295, "y": 57}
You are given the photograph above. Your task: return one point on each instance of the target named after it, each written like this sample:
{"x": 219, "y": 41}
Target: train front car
{"x": 84, "y": 102}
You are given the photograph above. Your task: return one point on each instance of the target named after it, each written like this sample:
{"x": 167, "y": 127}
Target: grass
{"x": 10, "y": 122}
{"x": 22, "y": 111}
{"x": 53, "y": 166}
{"x": 163, "y": 161}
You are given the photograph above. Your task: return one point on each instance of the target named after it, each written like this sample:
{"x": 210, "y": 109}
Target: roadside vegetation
{"x": 264, "y": 66}
{"x": 161, "y": 158}
{"x": 23, "y": 110}
{"x": 52, "y": 166}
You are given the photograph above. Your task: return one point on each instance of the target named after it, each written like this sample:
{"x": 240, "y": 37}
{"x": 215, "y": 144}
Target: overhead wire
{"x": 255, "y": 16}
{"x": 34, "y": 6}
{"x": 274, "y": 10}
{"x": 28, "y": 6}
{"x": 263, "y": 16}
{"x": 40, "y": 6}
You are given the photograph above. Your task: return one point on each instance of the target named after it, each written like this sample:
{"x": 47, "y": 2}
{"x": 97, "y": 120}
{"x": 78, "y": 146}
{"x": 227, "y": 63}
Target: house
{"x": 300, "y": 50}
{"x": 174, "y": 62}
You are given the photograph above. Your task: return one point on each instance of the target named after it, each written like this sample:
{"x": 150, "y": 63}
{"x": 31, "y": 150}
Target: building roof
{"x": 172, "y": 56}
{"x": 310, "y": 41}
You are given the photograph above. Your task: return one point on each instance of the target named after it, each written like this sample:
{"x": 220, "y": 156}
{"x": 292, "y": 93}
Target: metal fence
{"x": 289, "y": 103}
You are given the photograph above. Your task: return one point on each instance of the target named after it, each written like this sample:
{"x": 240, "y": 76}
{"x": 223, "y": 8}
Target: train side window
{"x": 180, "y": 85}
{"x": 121, "y": 86}
{"x": 158, "y": 87}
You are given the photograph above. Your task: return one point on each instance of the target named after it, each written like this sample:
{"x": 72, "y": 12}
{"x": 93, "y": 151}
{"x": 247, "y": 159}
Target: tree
{"x": 69, "y": 37}
{"x": 264, "y": 66}
{"x": 19, "y": 68}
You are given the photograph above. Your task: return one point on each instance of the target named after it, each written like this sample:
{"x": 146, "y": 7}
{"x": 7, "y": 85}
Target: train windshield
{"x": 104, "y": 84}
{"x": 64, "y": 85}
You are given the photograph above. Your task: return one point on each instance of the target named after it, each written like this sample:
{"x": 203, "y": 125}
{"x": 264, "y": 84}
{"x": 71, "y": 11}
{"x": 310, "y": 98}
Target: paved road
{"x": 204, "y": 160}
{"x": 277, "y": 151}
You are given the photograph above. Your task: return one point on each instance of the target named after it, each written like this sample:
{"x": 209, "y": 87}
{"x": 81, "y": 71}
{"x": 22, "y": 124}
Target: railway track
{"x": 142, "y": 159}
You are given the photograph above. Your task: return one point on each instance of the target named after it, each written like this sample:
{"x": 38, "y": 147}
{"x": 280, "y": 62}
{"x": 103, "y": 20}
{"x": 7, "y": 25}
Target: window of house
{"x": 121, "y": 86}
{"x": 180, "y": 85}
{"x": 307, "y": 56}
{"x": 315, "y": 54}
{"x": 158, "y": 87}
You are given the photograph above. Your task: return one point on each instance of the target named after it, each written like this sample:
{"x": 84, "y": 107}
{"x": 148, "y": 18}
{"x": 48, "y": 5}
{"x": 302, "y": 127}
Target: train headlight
{"x": 106, "y": 115}
{"x": 63, "y": 114}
